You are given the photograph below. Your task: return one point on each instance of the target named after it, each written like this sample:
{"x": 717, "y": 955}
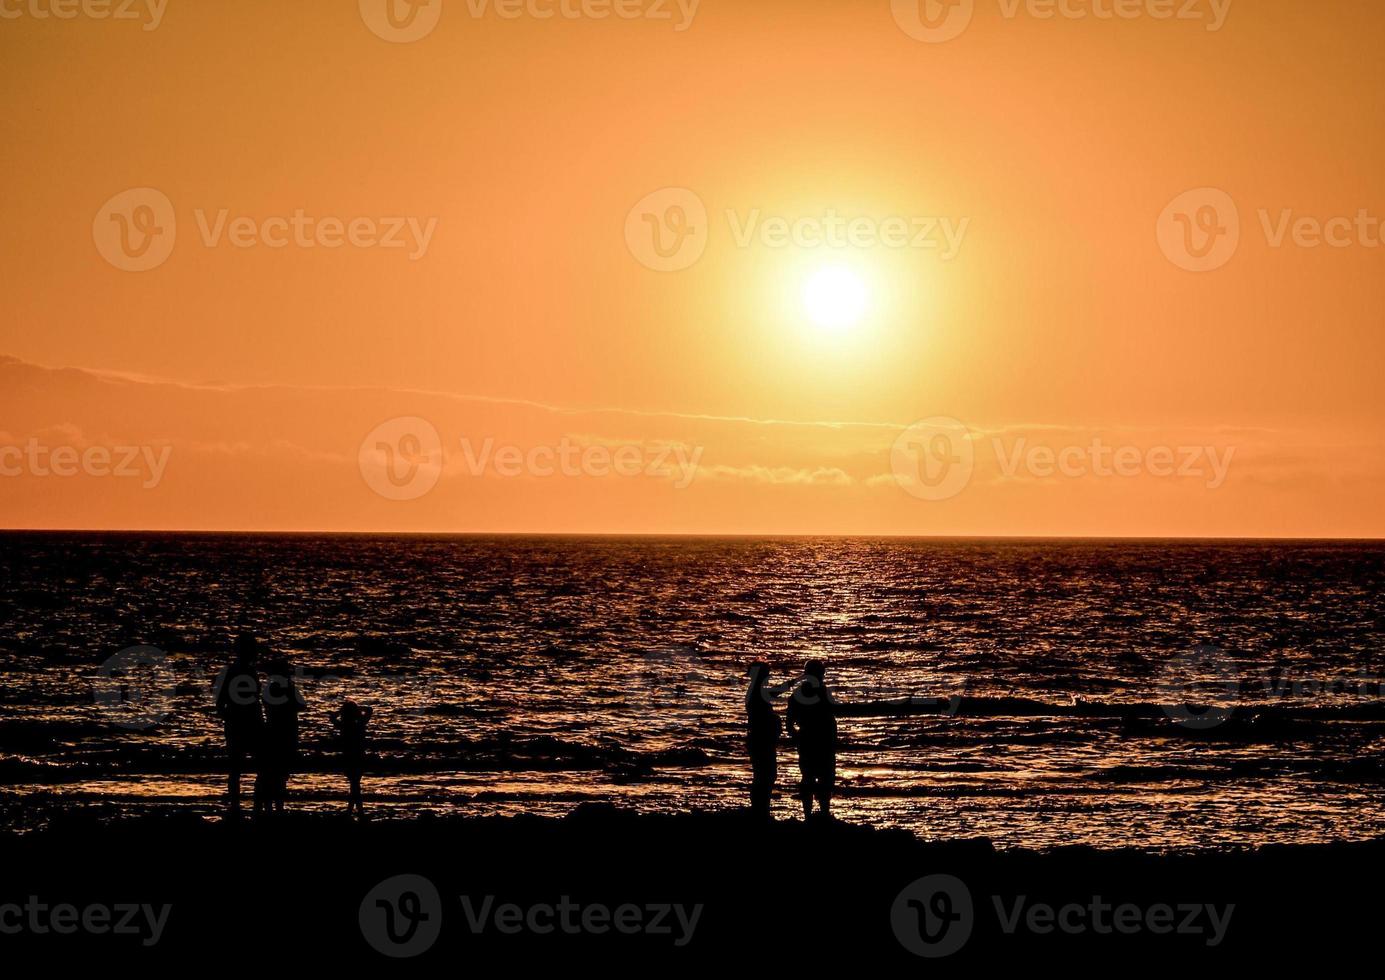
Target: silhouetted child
{"x": 350, "y": 723}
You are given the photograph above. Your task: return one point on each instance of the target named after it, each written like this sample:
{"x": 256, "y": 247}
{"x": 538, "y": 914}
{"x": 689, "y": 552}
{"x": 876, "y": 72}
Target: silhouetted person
{"x": 350, "y": 723}
{"x": 238, "y": 705}
{"x": 813, "y": 724}
{"x": 762, "y": 737}
{"x": 282, "y": 703}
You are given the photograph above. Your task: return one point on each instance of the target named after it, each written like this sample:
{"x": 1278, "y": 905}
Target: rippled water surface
{"x": 531, "y": 674}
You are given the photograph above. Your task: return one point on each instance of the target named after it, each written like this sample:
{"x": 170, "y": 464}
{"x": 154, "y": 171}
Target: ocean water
{"x": 1160, "y": 695}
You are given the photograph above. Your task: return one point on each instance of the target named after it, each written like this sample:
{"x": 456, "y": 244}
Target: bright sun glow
{"x": 835, "y": 298}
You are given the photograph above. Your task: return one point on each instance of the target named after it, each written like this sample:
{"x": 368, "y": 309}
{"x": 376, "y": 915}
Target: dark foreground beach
{"x": 556, "y": 762}
{"x": 657, "y": 891}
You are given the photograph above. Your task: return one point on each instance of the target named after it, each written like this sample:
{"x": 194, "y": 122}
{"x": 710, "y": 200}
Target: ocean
{"x": 1162, "y": 695}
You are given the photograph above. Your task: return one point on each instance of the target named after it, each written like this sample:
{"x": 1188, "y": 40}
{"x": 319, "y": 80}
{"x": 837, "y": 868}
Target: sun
{"x": 835, "y": 298}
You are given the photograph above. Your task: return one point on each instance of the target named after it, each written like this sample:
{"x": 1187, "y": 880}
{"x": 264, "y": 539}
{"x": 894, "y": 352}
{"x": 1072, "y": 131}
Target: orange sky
{"x": 1036, "y": 155}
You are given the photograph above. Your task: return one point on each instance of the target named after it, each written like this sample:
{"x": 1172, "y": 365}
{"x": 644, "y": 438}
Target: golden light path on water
{"x": 532, "y": 676}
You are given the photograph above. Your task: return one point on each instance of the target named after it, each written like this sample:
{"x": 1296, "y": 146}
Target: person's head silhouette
{"x": 758, "y": 672}
{"x": 807, "y": 692}
{"x": 247, "y": 649}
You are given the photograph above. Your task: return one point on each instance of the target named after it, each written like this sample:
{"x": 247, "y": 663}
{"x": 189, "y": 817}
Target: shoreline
{"x": 29, "y": 811}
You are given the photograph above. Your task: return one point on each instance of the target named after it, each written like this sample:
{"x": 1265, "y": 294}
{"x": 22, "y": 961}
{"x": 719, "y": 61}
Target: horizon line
{"x": 318, "y": 532}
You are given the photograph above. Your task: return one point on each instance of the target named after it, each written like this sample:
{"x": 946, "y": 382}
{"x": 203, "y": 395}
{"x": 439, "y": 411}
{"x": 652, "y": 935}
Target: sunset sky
{"x": 1011, "y": 203}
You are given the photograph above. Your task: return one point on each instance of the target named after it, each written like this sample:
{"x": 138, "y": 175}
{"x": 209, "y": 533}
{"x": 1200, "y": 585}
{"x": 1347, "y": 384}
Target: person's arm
{"x": 791, "y": 718}
{"x": 220, "y": 687}
{"x": 832, "y": 703}
{"x": 782, "y": 689}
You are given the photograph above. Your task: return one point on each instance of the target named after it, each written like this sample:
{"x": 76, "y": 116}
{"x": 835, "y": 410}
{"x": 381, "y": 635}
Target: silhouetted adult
{"x": 282, "y": 703}
{"x": 813, "y": 725}
{"x": 762, "y": 737}
{"x": 238, "y": 705}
